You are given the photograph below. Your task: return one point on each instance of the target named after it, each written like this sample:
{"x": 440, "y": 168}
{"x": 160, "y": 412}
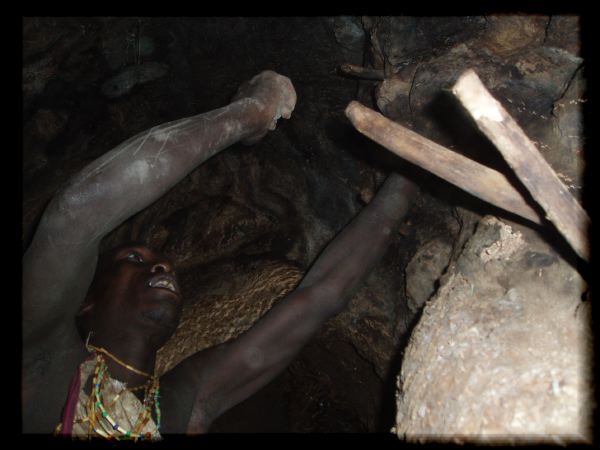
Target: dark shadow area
{"x": 264, "y": 412}
{"x": 342, "y": 133}
{"x": 457, "y": 131}
{"x": 387, "y": 414}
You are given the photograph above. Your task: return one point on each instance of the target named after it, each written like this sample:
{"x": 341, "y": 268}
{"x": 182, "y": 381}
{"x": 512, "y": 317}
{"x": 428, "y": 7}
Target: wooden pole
{"x": 477, "y": 179}
{"x": 561, "y": 208}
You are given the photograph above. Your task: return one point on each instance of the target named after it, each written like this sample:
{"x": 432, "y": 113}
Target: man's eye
{"x": 135, "y": 257}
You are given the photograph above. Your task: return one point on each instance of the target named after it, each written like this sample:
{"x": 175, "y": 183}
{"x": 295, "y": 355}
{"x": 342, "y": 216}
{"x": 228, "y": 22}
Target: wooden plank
{"x": 481, "y": 181}
{"x": 561, "y": 208}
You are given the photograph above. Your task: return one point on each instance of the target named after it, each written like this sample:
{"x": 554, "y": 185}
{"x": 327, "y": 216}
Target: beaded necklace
{"x": 99, "y": 420}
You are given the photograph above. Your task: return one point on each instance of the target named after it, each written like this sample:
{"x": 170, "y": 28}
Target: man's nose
{"x": 162, "y": 266}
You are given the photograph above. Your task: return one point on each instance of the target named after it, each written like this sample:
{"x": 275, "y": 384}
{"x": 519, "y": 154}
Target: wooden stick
{"x": 362, "y": 72}
{"x": 477, "y": 179}
{"x": 561, "y": 208}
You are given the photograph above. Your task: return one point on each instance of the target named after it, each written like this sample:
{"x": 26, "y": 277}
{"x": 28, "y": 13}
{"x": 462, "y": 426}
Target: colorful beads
{"x": 98, "y": 413}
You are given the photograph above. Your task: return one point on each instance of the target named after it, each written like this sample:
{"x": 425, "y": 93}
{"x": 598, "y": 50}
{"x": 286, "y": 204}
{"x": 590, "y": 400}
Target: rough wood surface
{"x": 481, "y": 181}
{"x": 561, "y": 208}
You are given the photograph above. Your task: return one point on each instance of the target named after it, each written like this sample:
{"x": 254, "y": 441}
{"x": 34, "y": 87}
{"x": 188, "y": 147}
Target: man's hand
{"x": 275, "y": 96}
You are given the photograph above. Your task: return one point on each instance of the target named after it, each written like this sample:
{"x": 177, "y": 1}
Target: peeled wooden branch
{"x": 481, "y": 181}
{"x": 362, "y": 72}
{"x": 561, "y": 208}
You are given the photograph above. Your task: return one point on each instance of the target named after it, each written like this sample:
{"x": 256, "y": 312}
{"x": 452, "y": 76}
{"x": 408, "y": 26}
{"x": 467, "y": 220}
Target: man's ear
{"x": 82, "y": 319}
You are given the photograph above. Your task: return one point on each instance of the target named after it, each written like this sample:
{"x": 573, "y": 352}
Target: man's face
{"x": 138, "y": 288}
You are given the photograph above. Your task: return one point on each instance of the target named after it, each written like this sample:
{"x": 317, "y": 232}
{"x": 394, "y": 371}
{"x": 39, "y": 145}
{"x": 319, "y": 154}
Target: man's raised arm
{"x": 229, "y": 373}
{"x": 60, "y": 262}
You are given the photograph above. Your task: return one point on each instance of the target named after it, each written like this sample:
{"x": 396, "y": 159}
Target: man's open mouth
{"x": 164, "y": 281}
